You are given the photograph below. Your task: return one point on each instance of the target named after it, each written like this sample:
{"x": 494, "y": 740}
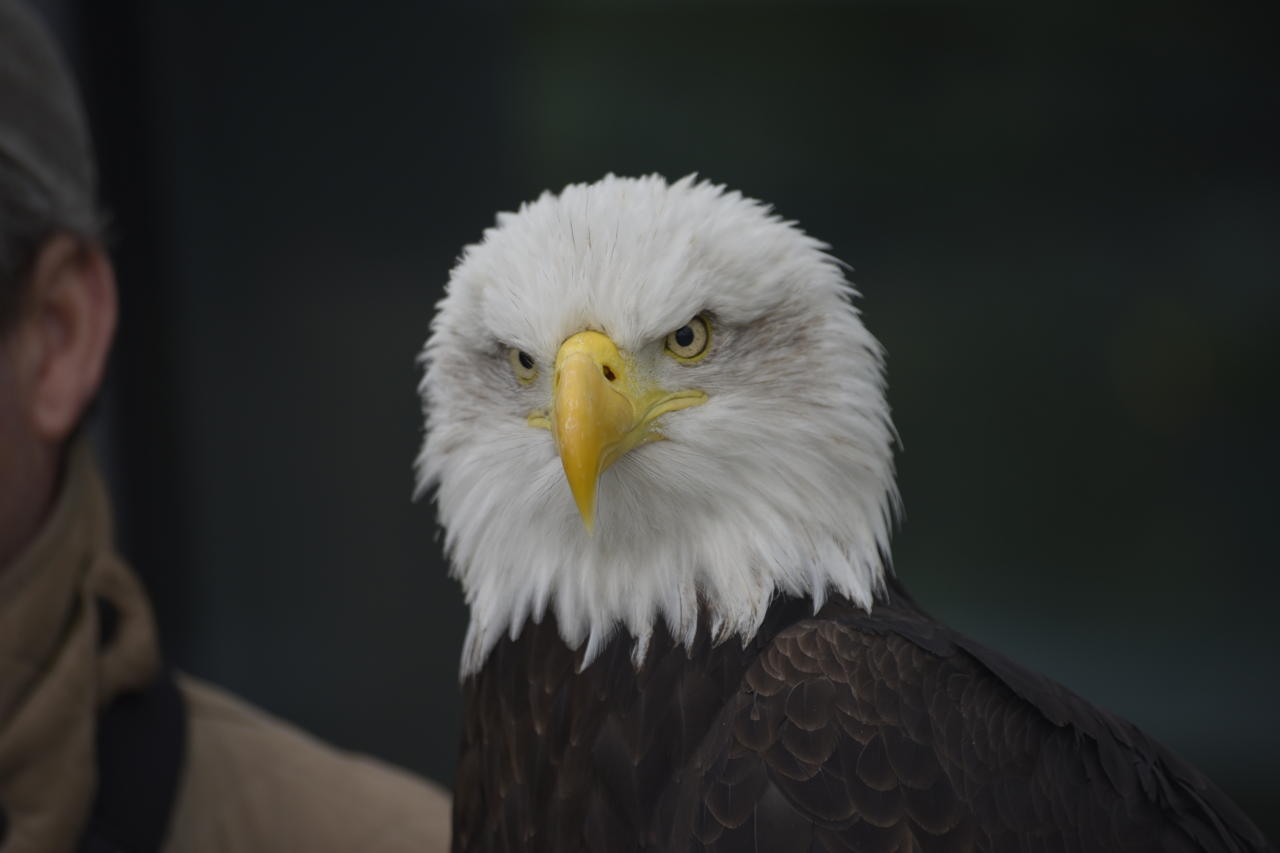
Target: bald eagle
{"x": 660, "y": 449}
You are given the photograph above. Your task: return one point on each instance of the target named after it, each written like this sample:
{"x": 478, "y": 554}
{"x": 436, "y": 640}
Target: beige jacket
{"x": 248, "y": 782}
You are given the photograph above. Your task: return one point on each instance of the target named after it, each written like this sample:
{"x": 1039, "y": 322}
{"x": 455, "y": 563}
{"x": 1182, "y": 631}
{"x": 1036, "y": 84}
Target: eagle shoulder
{"x": 889, "y": 732}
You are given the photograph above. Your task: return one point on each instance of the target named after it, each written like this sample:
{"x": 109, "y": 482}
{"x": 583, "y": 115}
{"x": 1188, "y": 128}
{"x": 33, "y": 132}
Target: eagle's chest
{"x": 554, "y": 758}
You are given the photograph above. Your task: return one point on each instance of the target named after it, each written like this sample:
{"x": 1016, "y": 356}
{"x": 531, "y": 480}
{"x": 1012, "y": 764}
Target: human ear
{"x": 63, "y": 333}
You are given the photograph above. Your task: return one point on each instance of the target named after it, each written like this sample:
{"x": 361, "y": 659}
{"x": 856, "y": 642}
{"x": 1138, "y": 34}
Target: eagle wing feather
{"x": 890, "y": 732}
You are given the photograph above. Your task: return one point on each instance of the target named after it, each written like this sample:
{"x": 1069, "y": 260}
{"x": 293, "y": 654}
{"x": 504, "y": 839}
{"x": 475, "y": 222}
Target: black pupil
{"x": 526, "y": 360}
{"x": 684, "y": 336}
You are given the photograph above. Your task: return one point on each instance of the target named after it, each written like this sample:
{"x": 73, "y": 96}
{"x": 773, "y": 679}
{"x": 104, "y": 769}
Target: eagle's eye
{"x": 523, "y": 365}
{"x": 691, "y": 341}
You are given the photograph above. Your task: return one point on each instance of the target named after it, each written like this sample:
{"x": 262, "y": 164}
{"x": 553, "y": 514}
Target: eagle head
{"x": 646, "y": 399}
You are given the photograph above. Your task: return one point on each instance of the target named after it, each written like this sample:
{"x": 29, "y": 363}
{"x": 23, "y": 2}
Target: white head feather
{"x": 782, "y": 482}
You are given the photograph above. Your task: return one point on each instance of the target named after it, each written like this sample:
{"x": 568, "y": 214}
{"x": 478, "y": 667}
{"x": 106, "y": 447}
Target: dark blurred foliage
{"x": 1064, "y": 224}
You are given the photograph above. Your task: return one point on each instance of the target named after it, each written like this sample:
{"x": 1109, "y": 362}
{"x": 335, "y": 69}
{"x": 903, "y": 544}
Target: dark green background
{"x": 1064, "y": 225}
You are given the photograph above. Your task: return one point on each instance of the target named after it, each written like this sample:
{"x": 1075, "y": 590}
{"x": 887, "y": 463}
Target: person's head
{"x": 57, "y": 291}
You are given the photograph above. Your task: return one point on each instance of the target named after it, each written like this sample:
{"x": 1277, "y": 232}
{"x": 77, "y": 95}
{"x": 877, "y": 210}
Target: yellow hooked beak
{"x": 601, "y": 410}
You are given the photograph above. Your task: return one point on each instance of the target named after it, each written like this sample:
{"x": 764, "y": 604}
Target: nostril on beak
{"x": 608, "y": 373}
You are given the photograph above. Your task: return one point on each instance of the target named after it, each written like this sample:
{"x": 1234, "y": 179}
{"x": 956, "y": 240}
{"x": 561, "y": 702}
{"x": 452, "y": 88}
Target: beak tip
{"x": 588, "y": 514}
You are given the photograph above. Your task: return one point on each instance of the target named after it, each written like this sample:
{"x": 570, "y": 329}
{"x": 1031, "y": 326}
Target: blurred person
{"x": 101, "y": 747}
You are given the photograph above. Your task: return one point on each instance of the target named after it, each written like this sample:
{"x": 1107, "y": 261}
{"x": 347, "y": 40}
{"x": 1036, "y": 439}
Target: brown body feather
{"x": 840, "y": 731}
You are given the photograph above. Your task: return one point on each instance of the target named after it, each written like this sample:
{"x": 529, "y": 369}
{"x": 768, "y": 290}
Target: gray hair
{"x": 47, "y": 175}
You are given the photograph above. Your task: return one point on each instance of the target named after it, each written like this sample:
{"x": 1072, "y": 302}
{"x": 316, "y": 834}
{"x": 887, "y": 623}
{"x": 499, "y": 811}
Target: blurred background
{"x": 1064, "y": 225}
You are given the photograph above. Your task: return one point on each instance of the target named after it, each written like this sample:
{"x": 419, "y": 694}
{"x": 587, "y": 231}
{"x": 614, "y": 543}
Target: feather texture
{"x": 840, "y": 731}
